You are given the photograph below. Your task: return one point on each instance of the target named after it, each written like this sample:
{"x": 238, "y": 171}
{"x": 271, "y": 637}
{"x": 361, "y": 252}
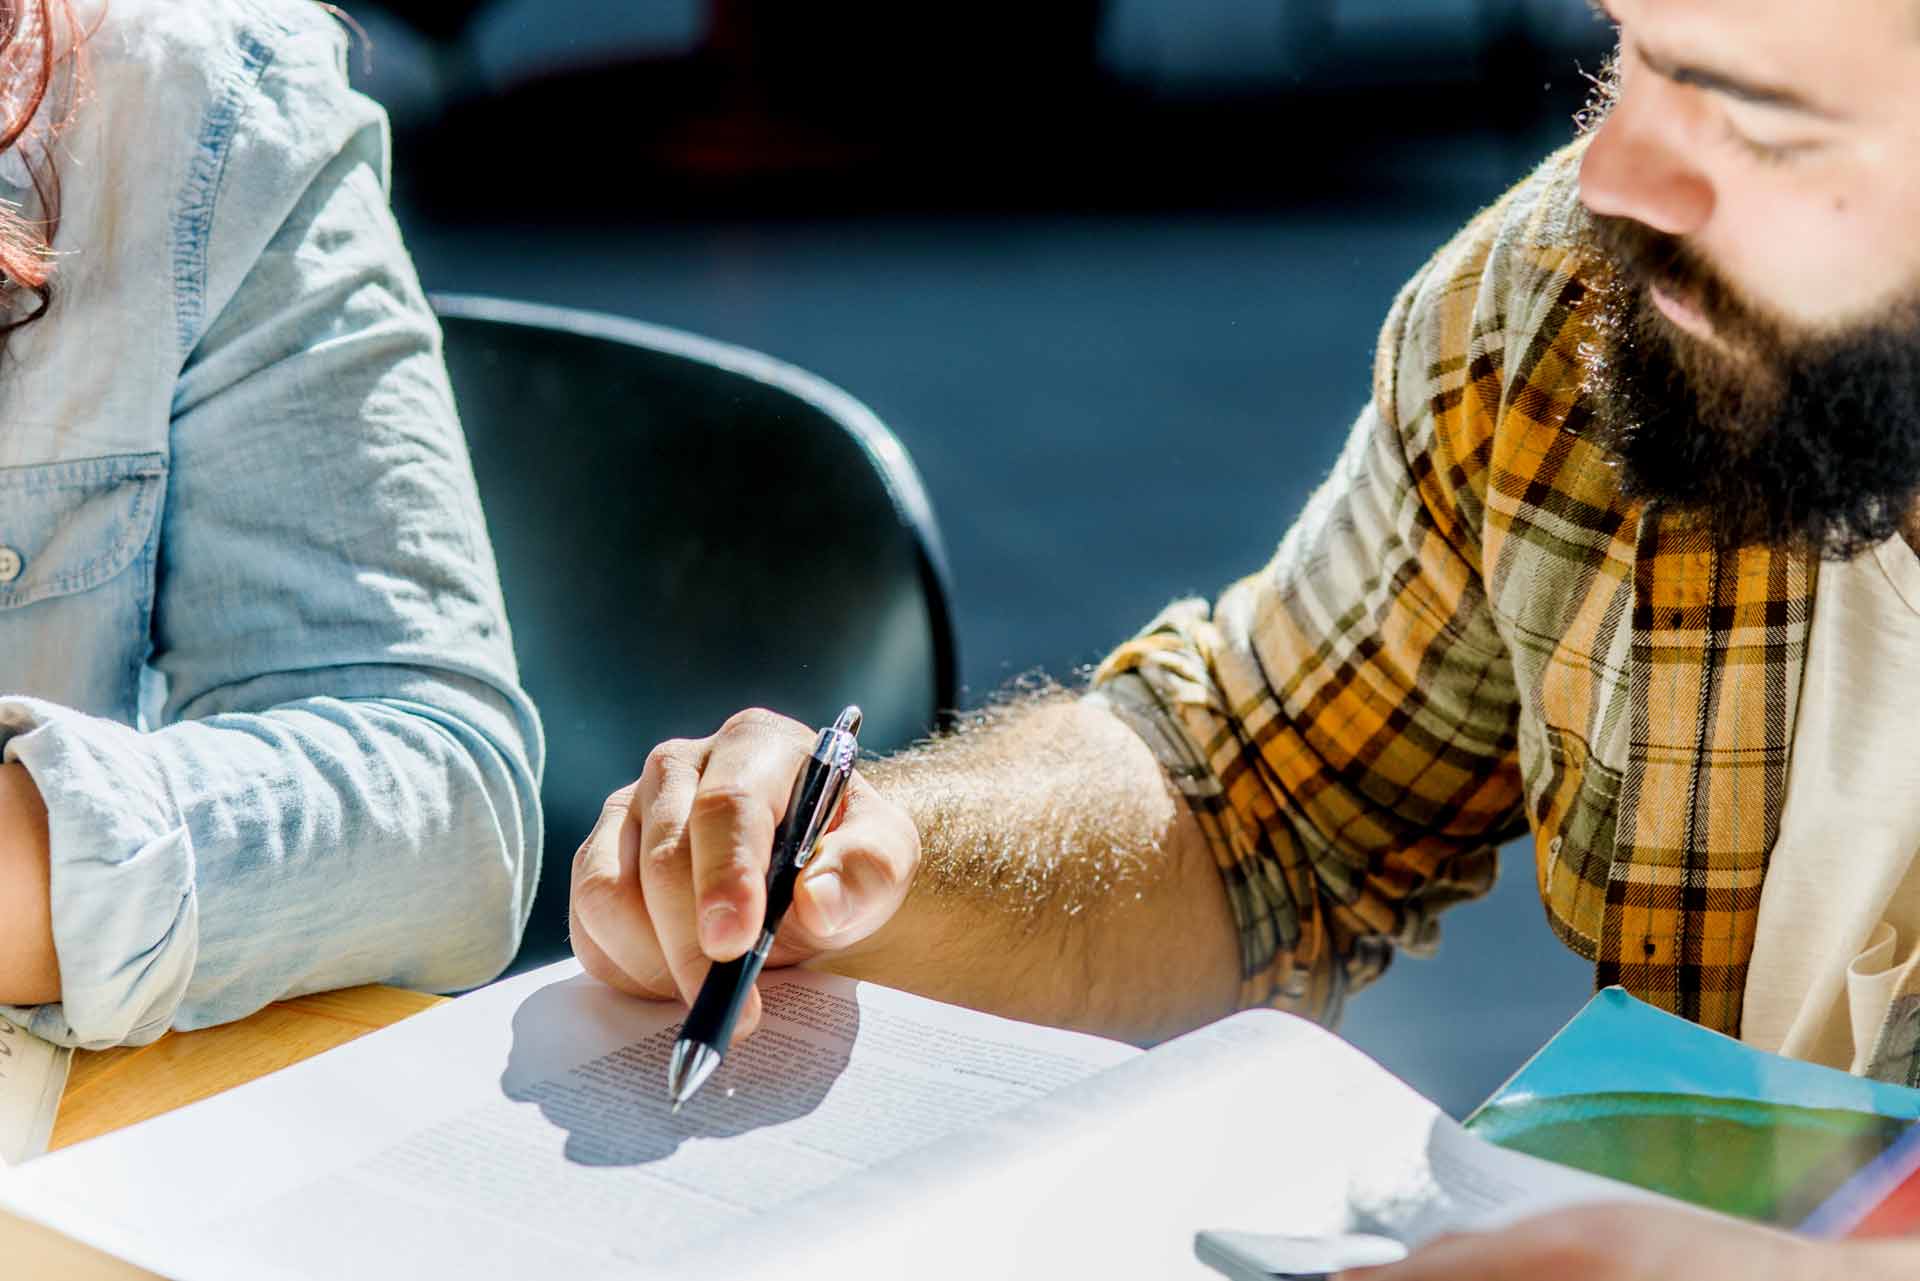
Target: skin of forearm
{"x": 1062, "y": 881}
{"x": 29, "y": 968}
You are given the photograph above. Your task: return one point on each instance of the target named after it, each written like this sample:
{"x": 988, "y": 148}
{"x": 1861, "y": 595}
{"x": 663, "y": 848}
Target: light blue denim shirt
{"x": 252, "y": 644}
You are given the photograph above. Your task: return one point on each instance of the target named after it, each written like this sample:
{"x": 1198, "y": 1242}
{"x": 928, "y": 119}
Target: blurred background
{"x": 1112, "y": 270}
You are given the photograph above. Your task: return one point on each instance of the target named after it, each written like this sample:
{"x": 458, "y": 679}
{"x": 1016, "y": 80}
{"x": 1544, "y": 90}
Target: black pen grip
{"x": 717, "y": 1008}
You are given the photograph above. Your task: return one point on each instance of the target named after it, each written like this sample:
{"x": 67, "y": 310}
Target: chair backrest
{"x": 684, "y": 529}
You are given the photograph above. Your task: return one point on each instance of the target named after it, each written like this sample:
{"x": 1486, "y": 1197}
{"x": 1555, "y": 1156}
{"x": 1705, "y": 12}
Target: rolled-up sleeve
{"x": 1343, "y": 724}
{"x": 339, "y": 783}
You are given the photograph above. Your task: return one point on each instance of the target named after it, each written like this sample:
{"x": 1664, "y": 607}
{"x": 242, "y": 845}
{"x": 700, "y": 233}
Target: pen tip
{"x": 676, "y": 1106}
{"x": 692, "y": 1064}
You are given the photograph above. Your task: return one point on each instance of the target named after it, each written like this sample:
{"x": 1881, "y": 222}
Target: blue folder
{"x": 1637, "y": 1094}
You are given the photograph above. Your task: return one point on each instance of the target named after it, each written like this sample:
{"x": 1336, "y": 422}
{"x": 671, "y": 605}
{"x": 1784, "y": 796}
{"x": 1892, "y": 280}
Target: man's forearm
{"x": 29, "y": 969}
{"x": 1062, "y": 880}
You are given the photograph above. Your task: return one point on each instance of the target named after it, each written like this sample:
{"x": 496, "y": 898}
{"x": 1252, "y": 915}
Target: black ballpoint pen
{"x": 816, "y": 795}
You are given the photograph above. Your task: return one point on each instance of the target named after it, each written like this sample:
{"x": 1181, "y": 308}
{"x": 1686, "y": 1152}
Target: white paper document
{"x": 523, "y": 1131}
{"x": 33, "y": 1072}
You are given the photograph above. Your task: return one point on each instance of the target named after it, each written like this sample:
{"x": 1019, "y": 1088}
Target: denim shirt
{"x": 252, "y": 645}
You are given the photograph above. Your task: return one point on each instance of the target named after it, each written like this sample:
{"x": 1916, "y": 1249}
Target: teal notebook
{"x": 1637, "y": 1094}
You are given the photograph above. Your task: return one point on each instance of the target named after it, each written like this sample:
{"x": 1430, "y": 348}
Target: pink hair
{"x": 30, "y": 61}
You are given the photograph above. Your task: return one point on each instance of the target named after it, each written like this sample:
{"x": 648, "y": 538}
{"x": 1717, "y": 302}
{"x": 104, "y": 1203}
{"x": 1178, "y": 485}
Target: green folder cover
{"x": 1640, "y": 1095}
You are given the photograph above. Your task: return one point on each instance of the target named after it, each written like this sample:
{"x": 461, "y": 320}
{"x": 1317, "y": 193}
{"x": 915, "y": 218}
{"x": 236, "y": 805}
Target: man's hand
{"x": 1063, "y": 881}
{"x": 673, "y": 877}
{"x": 1646, "y": 1243}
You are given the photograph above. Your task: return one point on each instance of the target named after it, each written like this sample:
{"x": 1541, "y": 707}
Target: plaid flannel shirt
{"x": 1470, "y": 632}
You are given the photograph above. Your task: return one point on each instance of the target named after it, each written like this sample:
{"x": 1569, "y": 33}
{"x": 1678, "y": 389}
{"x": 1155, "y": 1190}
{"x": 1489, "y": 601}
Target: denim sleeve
{"x": 340, "y": 784}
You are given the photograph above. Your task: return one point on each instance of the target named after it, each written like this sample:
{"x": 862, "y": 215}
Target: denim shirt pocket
{"x": 74, "y": 623}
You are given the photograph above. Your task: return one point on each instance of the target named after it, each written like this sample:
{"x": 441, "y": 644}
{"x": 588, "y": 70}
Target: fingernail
{"x": 829, "y": 895}
{"x": 717, "y": 926}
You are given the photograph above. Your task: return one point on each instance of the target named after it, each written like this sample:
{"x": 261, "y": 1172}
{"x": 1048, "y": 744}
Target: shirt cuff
{"x": 126, "y": 923}
{"x": 1157, "y": 680}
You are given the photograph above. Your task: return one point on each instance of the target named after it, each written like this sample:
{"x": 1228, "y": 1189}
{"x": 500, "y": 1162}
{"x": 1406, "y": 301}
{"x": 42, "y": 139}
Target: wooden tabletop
{"x": 109, "y": 1089}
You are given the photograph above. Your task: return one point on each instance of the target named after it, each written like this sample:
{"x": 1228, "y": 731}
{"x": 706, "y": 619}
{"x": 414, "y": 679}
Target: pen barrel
{"x": 816, "y": 791}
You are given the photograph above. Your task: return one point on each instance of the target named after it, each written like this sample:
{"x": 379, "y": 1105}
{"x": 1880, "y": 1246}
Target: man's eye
{"x": 1771, "y": 153}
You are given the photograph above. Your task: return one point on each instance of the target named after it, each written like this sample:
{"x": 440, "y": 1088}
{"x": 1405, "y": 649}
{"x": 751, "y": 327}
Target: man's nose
{"x": 1637, "y": 169}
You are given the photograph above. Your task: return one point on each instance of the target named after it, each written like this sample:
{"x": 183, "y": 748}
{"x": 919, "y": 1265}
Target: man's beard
{"x": 1807, "y": 443}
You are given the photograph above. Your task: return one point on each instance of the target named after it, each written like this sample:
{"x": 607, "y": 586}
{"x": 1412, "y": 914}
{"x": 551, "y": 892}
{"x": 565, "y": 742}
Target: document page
{"x": 524, "y": 1131}
{"x": 32, "y": 1075}
{"x": 1259, "y": 1123}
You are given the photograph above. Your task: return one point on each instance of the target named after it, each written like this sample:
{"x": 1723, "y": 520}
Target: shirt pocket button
{"x": 10, "y": 564}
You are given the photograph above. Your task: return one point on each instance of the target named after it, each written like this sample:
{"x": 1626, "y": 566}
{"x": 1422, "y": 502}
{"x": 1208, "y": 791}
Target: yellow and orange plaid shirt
{"x": 1470, "y": 633}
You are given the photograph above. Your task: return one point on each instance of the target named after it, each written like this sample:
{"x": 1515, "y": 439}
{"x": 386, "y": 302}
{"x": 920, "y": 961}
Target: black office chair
{"x": 685, "y": 529}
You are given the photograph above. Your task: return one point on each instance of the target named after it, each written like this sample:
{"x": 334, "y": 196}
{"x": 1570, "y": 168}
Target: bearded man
{"x": 1622, "y": 553}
